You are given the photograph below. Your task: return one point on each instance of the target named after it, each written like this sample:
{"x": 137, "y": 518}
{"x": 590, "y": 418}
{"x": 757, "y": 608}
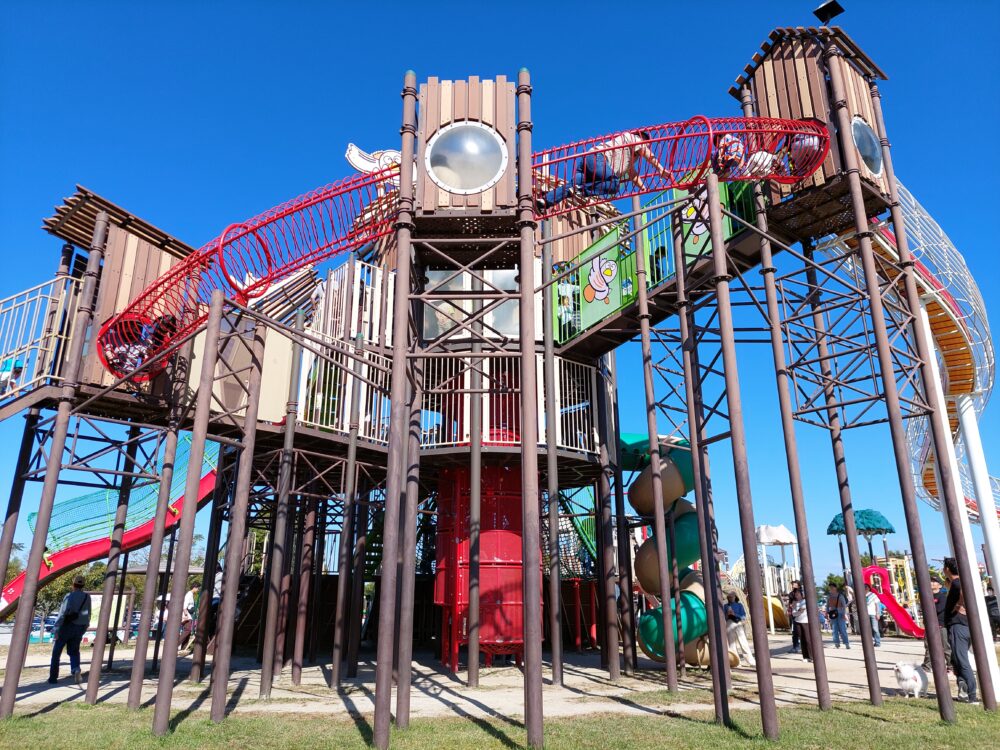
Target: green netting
{"x": 92, "y": 516}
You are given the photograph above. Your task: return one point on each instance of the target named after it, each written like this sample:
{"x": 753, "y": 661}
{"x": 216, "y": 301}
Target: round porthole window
{"x": 868, "y": 145}
{"x": 466, "y": 158}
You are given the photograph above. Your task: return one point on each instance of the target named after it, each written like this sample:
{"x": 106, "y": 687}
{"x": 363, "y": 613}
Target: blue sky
{"x": 196, "y": 115}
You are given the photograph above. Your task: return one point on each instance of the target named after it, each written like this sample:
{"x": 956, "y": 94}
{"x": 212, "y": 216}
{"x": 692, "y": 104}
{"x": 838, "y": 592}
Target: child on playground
{"x": 602, "y": 169}
{"x": 800, "y": 621}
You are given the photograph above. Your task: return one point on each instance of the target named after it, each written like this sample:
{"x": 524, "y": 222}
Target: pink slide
{"x": 903, "y": 620}
{"x": 79, "y": 554}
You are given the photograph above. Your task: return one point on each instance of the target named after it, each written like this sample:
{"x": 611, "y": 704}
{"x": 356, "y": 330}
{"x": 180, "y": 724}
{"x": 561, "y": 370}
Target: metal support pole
{"x": 111, "y": 572}
{"x": 30, "y": 422}
{"x": 318, "y": 594}
{"x": 17, "y": 489}
{"x": 765, "y": 680}
{"x": 531, "y": 556}
{"x": 285, "y": 591}
{"x": 117, "y": 621}
{"x": 950, "y": 486}
{"x": 886, "y": 360}
{"x": 185, "y": 537}
{"x": 626, "y": 606}
{"x": 981, "y": 483}
{"x": 362, "y": 515}
{"x": 71, "y": 373}
{"x": 399, "y": 417}
{"x": 843, "y": 483}
{"x": 475, "y": 489}
{"x": 605, "y": 527}
{"x": 552, "y": 464}
{"x": 307, "y": 553}
{"x": 717, "y": 640}
{"x": 987, "y": 669}
{"x": 202, "y": 631}
{"x": 781, "y": 373}
{"x": 404, "y": 645}
{"x": 280, "y": 549}
{"x": 344, "y": 576}
{"x": 656, "y": 475}
{"x": 237, "y": 531}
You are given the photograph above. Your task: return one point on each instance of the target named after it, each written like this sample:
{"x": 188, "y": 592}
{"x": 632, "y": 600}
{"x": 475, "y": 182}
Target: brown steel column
{"x": 605, "y": 526}
{"x": 886, "y": 367}
{"x": 404, "y": 645}
{"x": 178, "y": 391}
{"x": 31, "y": 421}
{"x": 220, "y": 495}
{"x": 57, "y": 443}
{"x": 843, "y": 483}
{"x": 111, "y": 572}
{"x": 399, "y": 417}
{"x": 362, "y": 516}
{"x": 475, "y": 488}
{"x": 552, "y": 463}
{"x": 318, "y": 589}
{"x": 659, "y": 528}
{"x": 280, "y": 552}
{"x": 717, "y": 639}
{"x": 232, "y": 570}
{"x": 17, "y": 489}
{"x": 755, "y": 589}
{"x": 981, "y": 641}
{"x": 305, "y": 580}
{"x": 626, "y": 605}
{"x": 344, "y": 576}
{"x": 185, "y": 539}
{"x": 768, "y": 270}
{"x": 531, "y": 552}
{"x": 285, "y": 591}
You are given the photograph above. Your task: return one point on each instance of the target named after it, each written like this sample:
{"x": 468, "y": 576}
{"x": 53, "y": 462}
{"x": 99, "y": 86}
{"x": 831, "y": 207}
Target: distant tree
{"x": 14, "y": 568}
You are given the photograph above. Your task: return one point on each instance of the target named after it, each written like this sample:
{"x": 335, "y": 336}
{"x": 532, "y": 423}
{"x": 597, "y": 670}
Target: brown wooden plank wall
{"x": 131, "y": 264}
{"x": 445, "y": 102}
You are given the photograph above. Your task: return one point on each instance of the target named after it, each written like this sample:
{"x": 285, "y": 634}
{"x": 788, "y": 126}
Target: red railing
{"x": 250, "y": 256}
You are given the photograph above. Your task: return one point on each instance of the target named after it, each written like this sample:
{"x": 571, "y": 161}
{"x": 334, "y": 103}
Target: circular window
{"x": 868, "y": 145}
{"x": 466, "y": 158}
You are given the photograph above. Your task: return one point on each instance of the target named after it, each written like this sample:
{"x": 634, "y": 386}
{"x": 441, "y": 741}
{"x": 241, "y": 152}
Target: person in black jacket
{"x": 940, "y": 596}
{"x": 957, "y": 623}
{"x": 71, "y": 623}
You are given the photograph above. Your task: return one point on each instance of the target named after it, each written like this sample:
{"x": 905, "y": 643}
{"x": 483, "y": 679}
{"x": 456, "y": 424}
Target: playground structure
{"x": 417, "y": 365}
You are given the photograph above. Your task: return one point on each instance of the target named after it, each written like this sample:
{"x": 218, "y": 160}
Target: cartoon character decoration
{"x": 602, "y": 272}
{"x": 376, "y": 161}
{"x": 695, "y": 213}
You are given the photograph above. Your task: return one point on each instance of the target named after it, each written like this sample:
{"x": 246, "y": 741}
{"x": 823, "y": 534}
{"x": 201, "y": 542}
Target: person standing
{"x": 940, "y": 596}
{"x": 795, "y": 635}
{"x": 957, "y": 622}
{"x": 189, "y": 615}
{"x": 872, "y": 604}
{"x": 836, "y": 611}
{"x": 800, "y": 622}
{"x": 736, "y": 614}
{"x": 71, "y": 623}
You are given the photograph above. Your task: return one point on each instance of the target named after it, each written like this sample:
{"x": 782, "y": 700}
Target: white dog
{"x": 911, "y": 678}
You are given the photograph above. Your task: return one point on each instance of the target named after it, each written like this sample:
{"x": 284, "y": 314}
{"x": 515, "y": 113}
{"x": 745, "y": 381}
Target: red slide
{"x": 898, "y": 613}
{"x": 85, "y": 552}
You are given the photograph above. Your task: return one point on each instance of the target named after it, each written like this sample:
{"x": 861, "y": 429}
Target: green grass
{"x": 899, "y": 725}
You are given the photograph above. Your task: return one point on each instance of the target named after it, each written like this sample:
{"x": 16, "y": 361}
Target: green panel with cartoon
{"x": 606, "y": 283}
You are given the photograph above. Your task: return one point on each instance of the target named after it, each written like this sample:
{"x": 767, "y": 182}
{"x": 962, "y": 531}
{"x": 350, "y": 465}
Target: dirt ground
{"x": 437, "y": 692}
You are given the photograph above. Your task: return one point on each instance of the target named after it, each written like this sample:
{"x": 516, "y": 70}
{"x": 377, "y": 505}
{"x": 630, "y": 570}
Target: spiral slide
{"x": 677, "y": 480}
{"x": 904, "y": 621}
{"x": 136, "y": 537}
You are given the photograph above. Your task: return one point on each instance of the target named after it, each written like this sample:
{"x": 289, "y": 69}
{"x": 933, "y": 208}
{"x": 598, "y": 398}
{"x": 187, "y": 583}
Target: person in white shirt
{"x": 603, "y": 168}
{"x": 873, "y": 605}
{"x": 189, "y": 614}
{"x": 800, "y": 622}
